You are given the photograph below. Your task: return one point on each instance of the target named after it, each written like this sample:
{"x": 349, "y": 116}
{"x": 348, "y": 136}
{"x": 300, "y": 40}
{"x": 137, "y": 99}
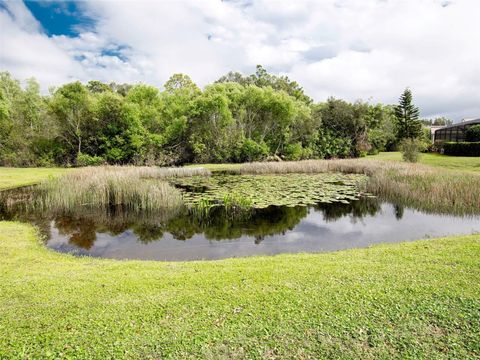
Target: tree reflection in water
{"x": 82, "y": 227}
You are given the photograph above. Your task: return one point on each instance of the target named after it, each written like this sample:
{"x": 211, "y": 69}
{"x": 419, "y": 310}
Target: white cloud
{"x": 26, "y": 51}
{"x": 349, "y": 49}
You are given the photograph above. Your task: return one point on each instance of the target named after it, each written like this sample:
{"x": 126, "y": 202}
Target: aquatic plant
{"x": 201, "y": 209}
{"x": 415, "y": 185}
{"x": 135, "y": 188}
{"x": 260, "y": 191}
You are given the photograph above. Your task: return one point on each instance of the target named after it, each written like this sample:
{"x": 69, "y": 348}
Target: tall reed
{"x": 415, "y": 185}
{"x": 134, "y": 188}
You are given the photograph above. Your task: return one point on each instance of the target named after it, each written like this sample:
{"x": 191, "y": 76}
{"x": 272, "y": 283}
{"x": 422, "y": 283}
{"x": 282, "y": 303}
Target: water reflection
{"x": 324, "y": 227}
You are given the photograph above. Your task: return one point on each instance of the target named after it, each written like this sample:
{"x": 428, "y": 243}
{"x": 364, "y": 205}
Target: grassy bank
{"x": 419, "y": 299}
{"x": 462, "y": 163}
{"x": 15, "y": 177}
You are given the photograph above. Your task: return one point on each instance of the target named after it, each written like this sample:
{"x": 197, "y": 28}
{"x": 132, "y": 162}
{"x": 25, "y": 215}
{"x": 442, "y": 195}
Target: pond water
{"x": 267, "y": 231}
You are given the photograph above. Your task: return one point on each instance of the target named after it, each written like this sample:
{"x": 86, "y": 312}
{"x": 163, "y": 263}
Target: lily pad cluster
{"x": 262, "y": 191}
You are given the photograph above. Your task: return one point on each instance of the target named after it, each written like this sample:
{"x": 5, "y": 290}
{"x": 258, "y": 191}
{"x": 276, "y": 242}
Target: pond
{"x": 333, "y": 217}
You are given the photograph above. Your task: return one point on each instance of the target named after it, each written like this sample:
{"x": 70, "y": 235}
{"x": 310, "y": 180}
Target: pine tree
{"x": 408, "y": 125}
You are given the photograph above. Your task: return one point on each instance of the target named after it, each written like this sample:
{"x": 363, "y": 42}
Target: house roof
{"x": 468, "y": 122}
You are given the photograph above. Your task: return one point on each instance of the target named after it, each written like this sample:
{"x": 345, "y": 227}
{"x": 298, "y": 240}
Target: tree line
{"x": 237, "y": 118}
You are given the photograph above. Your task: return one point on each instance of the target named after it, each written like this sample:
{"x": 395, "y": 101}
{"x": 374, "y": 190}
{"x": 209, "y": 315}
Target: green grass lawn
{"x": 411, "y": 300}
{"x": 416, "y": 300}
{"x": 16, "y": 177}
{"x": 448, "y": 162}
{"x": 462, "y": 163}
{"x": 217, "y": 167}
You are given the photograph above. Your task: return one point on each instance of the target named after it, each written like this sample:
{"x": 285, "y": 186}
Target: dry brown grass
{"x": 415, "y": 185}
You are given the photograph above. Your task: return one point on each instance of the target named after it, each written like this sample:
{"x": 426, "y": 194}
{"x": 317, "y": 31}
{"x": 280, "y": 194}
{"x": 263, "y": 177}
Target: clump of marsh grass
{"x": 146, "y": 172}
{"x": 134, "y": 188}
{"x": 414, "y": 185}
{"x": 432, "y": 191}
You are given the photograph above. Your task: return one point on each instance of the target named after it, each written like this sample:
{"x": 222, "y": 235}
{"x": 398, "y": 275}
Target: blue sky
{"x": 370, "y": 49}
{"x": 60, "y": 18}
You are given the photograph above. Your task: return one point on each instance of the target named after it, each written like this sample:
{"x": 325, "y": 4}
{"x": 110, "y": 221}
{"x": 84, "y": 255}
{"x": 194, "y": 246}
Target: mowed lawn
{"x": 462, "y": 163}
{"x": 412, "y": 300}
{"x": 16, "y": 177}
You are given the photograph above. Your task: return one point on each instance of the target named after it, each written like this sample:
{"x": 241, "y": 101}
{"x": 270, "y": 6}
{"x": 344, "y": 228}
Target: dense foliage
{"x": 473, "y": 134}
{"x": 440, "y": 121}
{"x": 238, "y": 118}
{"x": 461, "y": 148}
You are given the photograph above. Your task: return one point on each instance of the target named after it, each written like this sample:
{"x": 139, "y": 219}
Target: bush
{"x": 294, "y": 151}
{"x": 411, "y": 149}
{"x": 253, "y": 151}
{"x": 88, "y": 160}
{"x": 473, "y": 134}
{"x": 462, "y": 148}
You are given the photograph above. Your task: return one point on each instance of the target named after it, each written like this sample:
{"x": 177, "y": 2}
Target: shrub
{"x": 294, "y": 151}
{"x": 462, "y": 148}
{"x": 253, "y": 151}
{"x": 473, "y": 134}
{"x": 411, "y": 149}
{"x": 88, "y": 160}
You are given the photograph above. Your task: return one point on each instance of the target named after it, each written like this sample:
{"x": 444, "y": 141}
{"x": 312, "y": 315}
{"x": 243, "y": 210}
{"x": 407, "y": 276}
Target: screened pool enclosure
{"x": 455, "y": 132}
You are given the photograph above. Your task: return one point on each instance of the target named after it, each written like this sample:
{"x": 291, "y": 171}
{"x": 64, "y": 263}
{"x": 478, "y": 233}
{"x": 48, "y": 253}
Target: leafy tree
{"x": 95, "y": 87}
{"x": 72, "y": 107}
{"x": 381, "y": 123}
{"x": 346, "y": 120}
{"x": 180, "y": 82}
{"x": 23, "y": 120}
{"x": 236, "y": 77}
{"x": 211, "y": 128}
{"x": 442, "y": 121}
{"x": 121, "y": 89}
{"x": 473, "y": 133}
{"x": 262, "y": 78}
{"x": 238, "y": 118}
{"x": 408, "y": 125}
{"x": 120, "y": 132}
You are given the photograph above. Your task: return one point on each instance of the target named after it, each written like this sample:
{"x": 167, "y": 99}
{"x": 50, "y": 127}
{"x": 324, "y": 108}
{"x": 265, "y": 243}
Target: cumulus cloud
{"x": 349, "y": 49}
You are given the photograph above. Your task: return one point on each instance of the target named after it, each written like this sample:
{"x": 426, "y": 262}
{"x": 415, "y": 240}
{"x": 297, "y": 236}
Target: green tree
{"x": 72, "y": 107}
{"x": 211, "y": 128}
{"x": 180, "y": 82}
{"x": 121, "y": 89}
{"x": 96, "y": 87}
{"x": 120, "y": 132}
{"x": 442, "y": 121}
{"x": 23, "y": 121}
{"x": 262, "y": 78}
{"x": 345, "y": 120}
{"x": 473, "y": 133}
{"x": 406, "y": 113}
